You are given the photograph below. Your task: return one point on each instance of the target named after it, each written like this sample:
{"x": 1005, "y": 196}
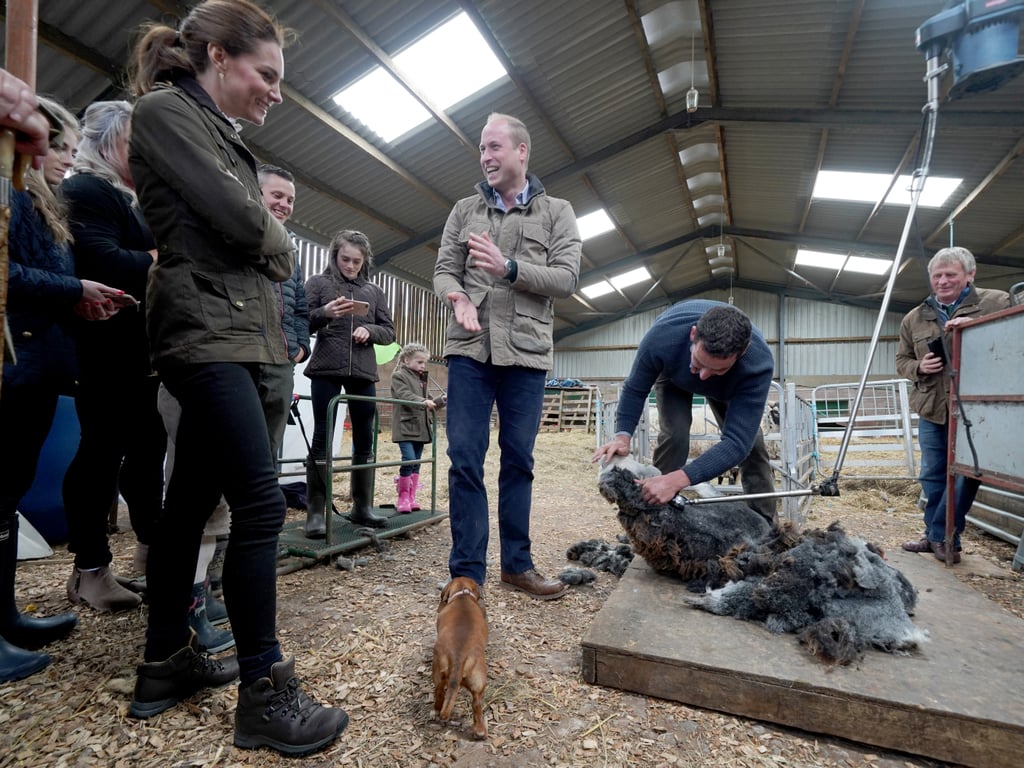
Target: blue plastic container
{"x": 43, "y": 505}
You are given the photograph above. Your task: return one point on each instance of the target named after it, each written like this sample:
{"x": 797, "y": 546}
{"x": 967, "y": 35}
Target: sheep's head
{"x": 617, "y": 483}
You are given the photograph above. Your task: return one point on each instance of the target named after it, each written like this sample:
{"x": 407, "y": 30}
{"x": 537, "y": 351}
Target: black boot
{"x": 316, "y": 499}
{"x": 16, "y": 663}
{"x": 362, "y": 497}
{"x": 15, "y": 627}
{"x": 275, "y": 712}
{"x": 162, "y": 684}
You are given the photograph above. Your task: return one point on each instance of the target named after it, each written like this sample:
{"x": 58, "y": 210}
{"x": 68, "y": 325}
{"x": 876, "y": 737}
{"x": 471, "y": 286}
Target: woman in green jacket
{"x": 212, "y": 321}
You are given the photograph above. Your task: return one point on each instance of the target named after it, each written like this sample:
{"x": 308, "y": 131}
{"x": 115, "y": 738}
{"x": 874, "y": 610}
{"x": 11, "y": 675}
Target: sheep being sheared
{"x": 694, "y": 544}
{"x": 835, "y": 592}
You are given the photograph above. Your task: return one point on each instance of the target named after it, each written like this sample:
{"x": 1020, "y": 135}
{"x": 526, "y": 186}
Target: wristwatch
{"x": 508, "y": 268}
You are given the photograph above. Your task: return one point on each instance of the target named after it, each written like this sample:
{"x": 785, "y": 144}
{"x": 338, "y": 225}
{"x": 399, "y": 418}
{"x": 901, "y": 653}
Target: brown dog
{"x": 460, "y": 653}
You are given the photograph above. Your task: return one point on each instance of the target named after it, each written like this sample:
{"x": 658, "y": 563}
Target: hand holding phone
{"x": 937, "y": 348}
{"x": 360, "y": 308}
{"x": 122, "y": 300}
{"x": 341, "y": 307}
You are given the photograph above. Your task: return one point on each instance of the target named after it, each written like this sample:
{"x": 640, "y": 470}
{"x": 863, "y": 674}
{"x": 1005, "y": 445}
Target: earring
{"x": 221, "y": 74}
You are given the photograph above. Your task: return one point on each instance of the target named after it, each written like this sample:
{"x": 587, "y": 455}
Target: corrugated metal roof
{"x": 786, "y": 88}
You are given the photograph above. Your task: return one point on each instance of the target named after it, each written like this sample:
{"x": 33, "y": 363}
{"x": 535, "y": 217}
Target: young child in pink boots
{"x": 410, "y": 424}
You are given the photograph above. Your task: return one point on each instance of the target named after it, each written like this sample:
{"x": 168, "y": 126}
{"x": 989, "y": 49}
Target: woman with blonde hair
{"x": 212, "y": 320}
{"x": 43, "y": 298}
{"x": 122, "y": 441}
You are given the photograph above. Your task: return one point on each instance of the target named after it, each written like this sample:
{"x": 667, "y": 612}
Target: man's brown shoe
{"x": 939, "y": 550}
{"x": 922, "y": 545}
{"x": 535, "y": 585}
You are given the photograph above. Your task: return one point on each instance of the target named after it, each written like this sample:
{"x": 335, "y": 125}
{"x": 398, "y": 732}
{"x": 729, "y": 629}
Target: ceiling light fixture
{"x": 692, "y": 96}
{"x": 721, "y": 233}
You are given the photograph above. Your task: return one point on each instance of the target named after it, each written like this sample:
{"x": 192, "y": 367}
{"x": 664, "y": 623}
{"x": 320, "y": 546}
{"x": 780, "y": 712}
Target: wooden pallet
{"x": 569, "y": 408}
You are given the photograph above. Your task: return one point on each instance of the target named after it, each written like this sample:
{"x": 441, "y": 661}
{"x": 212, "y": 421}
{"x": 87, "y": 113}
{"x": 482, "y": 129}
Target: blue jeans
{"x": 473, "y": 389}
{"x": 411, "y": 451}
{"x": 222, "y": 446}
{"x": 934, "y": 441}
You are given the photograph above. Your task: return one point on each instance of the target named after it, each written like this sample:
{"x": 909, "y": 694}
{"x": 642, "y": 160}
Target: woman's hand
{"x": 340, "y": 307}
{"x": 361, "y": 335}
{"x": 96, "y": 302}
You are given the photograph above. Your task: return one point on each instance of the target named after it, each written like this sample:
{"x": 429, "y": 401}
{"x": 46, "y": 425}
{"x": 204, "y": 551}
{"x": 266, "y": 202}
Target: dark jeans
{"x": 411, "y": 451}
{"x": 121, "y": 449}
{"x": 473, "y": 389}
{"x": 26, "y": 415}
{"x": 360, "y": 413}
{"x": 222, "y": 446}
{"x": 675, "y": 415}
{"x": 934, "y": 440}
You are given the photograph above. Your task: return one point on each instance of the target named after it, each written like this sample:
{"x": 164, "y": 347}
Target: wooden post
{"x": 20, "y": 45}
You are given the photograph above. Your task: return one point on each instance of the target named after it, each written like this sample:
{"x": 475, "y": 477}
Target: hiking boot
{"x": 275, "y": 712}
{"x": 98, "y": 588}
{"x": 162, "y": 684}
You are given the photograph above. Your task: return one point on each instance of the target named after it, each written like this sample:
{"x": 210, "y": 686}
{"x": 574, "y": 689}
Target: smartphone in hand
{"x": 360, "y": 308}
{"x": 123, "y": 300}
{"x": 936, "y": 347}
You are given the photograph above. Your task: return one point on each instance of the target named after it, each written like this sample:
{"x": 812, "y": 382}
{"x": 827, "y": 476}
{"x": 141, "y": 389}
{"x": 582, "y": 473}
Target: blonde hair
{"x": 104, "y": 124}
{"x": 410, "y": 350}
{"x": 517, "y": 130}
{"x": 45, "y": 200}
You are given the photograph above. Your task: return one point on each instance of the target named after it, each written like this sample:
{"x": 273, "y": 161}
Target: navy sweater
{"x": 665, "y": 350}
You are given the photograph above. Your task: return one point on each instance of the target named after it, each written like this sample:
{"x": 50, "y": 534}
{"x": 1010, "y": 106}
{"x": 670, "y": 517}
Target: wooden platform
{"x": 957, "y": 699}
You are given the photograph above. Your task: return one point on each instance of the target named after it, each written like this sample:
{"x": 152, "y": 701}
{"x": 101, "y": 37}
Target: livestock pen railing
{"x": 341, "y": 463}
{"x": 884, "y": 424}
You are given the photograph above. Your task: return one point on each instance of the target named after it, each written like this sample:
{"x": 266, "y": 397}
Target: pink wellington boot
{"x": 412, "y": 494}
{"x": 404, "y": 494}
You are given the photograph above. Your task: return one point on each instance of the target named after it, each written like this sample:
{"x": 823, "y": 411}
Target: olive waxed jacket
{"x": 409, "y": 422}
{"x": 209, "y": 297}
{"x": 929, "y": 394}
{"x": 516, "y": 318}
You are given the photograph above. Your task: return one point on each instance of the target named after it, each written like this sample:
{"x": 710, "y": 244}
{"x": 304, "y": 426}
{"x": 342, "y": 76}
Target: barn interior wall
{"x": 821, "y": 342}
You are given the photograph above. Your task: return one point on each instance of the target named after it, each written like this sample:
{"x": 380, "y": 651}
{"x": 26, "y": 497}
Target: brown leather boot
{"x": 533, "y": 584}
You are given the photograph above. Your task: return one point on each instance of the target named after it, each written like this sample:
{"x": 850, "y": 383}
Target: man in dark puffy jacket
{"x": 277, "y": 382}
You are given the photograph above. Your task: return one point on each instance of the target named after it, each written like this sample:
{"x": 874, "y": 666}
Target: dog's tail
{"x": 449, "y": 697}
